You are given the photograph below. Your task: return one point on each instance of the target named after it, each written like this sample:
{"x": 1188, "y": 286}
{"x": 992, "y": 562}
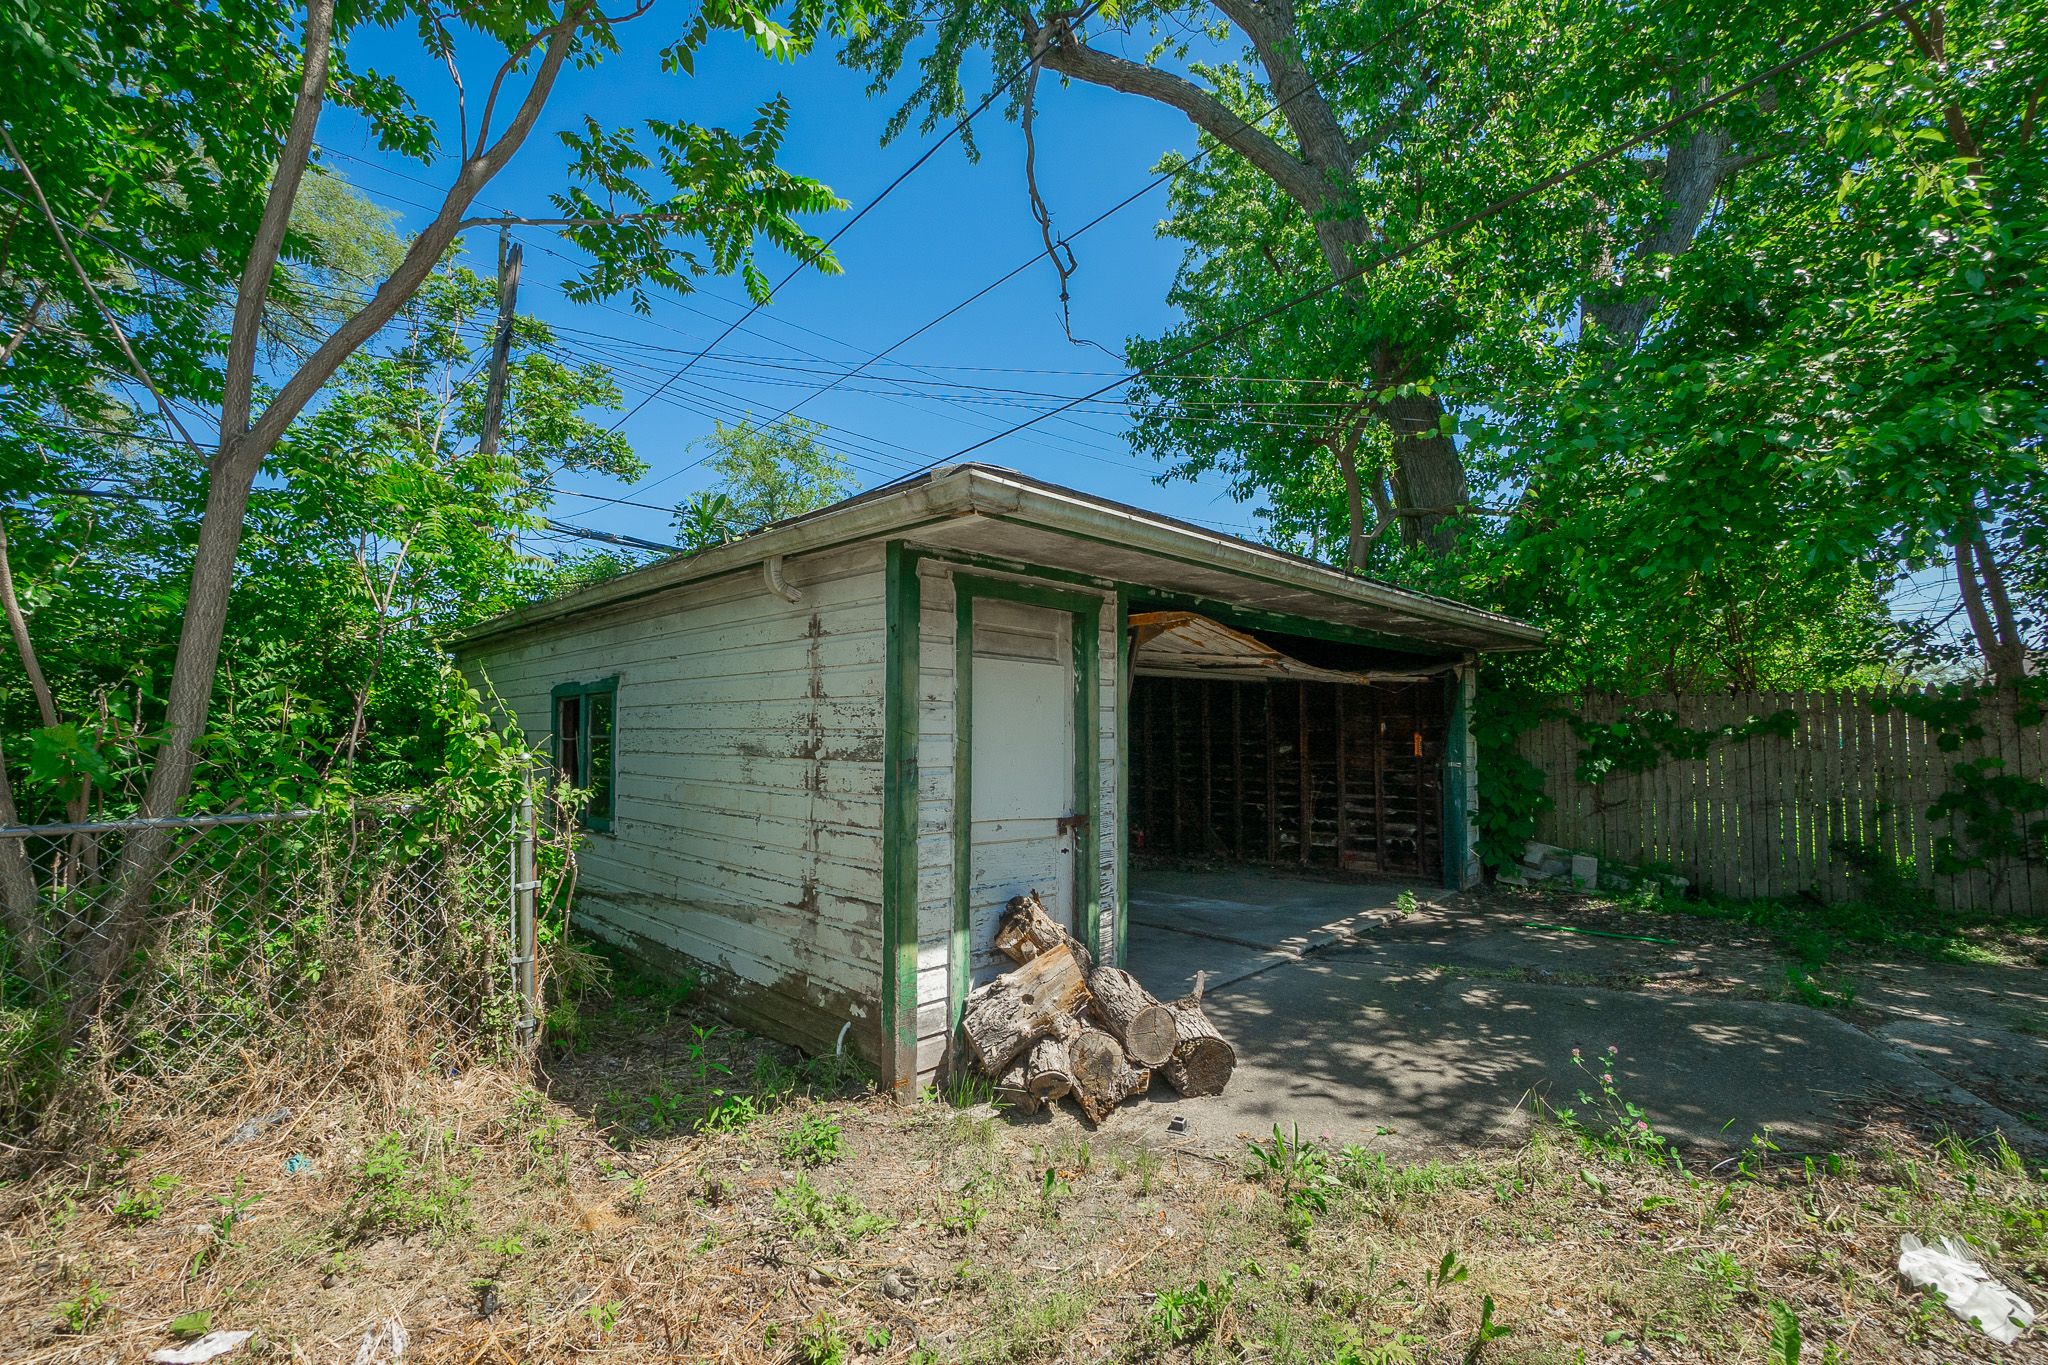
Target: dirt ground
{"x": 672, "y": 1189}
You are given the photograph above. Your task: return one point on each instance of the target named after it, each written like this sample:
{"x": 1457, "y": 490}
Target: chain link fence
{"x": 294, "y": 937}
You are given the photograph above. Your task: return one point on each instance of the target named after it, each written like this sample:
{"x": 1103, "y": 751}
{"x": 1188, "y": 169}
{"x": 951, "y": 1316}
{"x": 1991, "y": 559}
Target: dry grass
{"x": 586, "y": 1217}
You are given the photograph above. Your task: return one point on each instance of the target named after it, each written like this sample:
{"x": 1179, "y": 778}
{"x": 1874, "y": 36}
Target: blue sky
{"x": 945, "y": 233}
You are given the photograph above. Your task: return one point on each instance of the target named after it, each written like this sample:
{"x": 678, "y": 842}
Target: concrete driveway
{"x": 1443, "y": 1025}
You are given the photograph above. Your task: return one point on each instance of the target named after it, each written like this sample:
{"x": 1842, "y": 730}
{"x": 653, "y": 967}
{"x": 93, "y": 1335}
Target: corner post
{"x": 902, "y": 600}
{"x": 1461, "y": 782}
{"x": 525, "y": 938}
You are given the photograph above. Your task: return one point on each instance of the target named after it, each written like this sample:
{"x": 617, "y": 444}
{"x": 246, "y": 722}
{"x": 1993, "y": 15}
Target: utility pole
{"x": 509, "y": 255}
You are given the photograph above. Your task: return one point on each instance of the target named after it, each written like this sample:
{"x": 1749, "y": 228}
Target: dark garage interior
{"x": 1328, "y": 775}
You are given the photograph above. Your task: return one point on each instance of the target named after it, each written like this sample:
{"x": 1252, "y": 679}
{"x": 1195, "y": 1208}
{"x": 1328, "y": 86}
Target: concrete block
{"x": 1585, "y": 870}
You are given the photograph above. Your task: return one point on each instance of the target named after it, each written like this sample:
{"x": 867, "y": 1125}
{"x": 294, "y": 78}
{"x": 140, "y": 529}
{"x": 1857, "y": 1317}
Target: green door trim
{"x": 1123, "y": 772}
{"x": 1087, "y": 629}
{"x": 902, "y": 607}
{"x": 1457, "y": 839}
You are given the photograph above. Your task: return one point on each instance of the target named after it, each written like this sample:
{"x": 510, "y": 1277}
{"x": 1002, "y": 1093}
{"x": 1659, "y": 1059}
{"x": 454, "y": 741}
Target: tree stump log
{"x": 1010, "y": 1013}
{"x": 1144, "y": 1026}
{"x": 1202, "y": 1061}
{"x": 1104, "y": 1075}
{"x": 1049, "y": 1072}
{"x": 1026, "y": 931}
{"x": 1013, "y": 1093}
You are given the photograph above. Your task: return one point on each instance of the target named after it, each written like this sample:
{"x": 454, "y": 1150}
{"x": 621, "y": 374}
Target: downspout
{"x": 771, "y": 574}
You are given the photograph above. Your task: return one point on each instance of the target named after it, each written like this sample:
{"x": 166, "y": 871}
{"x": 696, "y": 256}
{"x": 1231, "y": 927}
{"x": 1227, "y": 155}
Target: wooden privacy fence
{"x": 1768, "y": 814}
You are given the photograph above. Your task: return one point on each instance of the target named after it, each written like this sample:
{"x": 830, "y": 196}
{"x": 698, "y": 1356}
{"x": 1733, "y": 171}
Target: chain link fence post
{"x": 525, "y": 947}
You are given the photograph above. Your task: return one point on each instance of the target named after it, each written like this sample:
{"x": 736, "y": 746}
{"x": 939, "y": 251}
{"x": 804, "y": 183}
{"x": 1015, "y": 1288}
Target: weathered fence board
{"x": 1769, "y": 815}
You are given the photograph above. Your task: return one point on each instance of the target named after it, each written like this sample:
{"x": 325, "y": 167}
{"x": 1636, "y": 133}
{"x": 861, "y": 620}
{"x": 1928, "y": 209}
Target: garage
{"x": 1283, "y": 751}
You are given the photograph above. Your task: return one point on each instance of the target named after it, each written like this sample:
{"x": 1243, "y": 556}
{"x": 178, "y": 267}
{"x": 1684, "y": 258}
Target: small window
{"x": 584, "y": 724}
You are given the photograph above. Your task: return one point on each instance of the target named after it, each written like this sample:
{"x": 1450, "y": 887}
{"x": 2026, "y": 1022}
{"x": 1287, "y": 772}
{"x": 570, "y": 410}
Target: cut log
{"x": 1202, "y": 1061}
{"x": 1026, "y": 931}
{"x": 1010, "y": 1013}
{"x": 1049, "y": 1073}
{"x": 1104, "y": 1075}
{"x": 1013, "y": 1093}
{"x": 1143, "y": 1025}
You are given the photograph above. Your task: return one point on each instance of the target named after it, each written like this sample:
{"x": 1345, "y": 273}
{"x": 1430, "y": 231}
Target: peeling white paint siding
{"x": 935, "y": 909}
{"x": 1109, "y": 770}
{"x": 749, "y": 782}
{"x": 936, "y": 905}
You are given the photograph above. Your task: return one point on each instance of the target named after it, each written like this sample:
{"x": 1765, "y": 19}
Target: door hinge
{"x": 1068, "y": 823}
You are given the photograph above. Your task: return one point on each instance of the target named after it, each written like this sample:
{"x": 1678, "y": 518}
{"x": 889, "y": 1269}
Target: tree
{"x": 1389, "y": 125}
{"x": 653, "y": 205}
{"x": 765, "y": 474}
{"x": 1844, "y": 385}
{"x": 1618, "y": 268}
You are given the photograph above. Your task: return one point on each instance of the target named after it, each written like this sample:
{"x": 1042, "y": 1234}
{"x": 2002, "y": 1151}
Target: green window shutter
{"x": 586, "y": 729}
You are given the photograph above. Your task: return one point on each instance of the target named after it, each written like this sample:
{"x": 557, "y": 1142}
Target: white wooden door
{"x": 1023, "y": 770}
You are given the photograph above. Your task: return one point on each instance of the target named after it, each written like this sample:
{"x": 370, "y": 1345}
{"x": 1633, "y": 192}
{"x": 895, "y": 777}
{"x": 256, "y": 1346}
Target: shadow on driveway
{"x": 1447, "y": 1024}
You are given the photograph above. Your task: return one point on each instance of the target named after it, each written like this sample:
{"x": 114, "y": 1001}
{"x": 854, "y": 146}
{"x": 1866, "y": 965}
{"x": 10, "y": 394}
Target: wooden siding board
{"x": 748, "y": 778}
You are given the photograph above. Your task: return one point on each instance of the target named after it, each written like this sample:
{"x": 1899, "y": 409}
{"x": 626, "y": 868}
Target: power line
{"x": 958, "y": 126}
{"x": 1183, "y": 168}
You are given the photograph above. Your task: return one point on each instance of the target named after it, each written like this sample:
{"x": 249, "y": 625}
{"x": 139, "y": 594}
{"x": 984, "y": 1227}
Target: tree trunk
{"x": 1013, "y": 1093}
{"x": 1104, "y": 1076}
{"x": 1049, "y": 1073}
{"x": 244, "y": 445}
{"x": 1202, "y": 1061}
{"x": 1143, "y": 1025}
{"x": 1010, "y": 1013}
{"x": 20, "y": 903}
{"x": 1429, "y": 476}
{"x": 1986, "y": 605}
{"x": 1027, "y": 931}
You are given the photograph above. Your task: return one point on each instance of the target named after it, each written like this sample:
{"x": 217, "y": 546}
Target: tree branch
{"x": 427, "y": 248}
{"x": 1375, "y": 137}
{"x": 254, "y": 287}
{"x": 106, "y": 314}
{"x": 1069, "y": 56}
{"x": 17, "y": 626}
{"x": 1933, "y": 46}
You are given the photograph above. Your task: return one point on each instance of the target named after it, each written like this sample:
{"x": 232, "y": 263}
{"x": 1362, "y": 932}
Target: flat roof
{"x": 995, "y": 511}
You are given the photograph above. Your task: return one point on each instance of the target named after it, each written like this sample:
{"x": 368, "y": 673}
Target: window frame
{"x": 585, "y": 694}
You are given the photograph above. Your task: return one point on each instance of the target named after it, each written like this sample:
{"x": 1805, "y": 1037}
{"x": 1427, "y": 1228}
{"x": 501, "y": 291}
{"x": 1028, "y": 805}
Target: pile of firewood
{"x": 1060, "y": 1026}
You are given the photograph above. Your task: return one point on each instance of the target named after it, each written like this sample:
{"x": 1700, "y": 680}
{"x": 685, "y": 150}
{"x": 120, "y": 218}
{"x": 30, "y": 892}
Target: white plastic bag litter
{"x": 1966, "y": 1286}
{"x": 197, "y": 1352}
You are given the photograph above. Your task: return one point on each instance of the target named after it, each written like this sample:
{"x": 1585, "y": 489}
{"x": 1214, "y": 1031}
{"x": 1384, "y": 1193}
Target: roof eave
{"x": 969, "y": 490}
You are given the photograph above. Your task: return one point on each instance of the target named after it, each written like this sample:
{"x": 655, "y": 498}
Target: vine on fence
{"x": 1652, "y": 737}
{"x": 1511, "y": 798}
{"x": 1511, "y": 794}
{"x": 1994, "y": 815}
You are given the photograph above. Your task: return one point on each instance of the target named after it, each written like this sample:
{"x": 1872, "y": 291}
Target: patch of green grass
{"x": 815, "y": 1141}
{"x": 1190, "y": 1314}
{"x": 85, "y": 1311}
{"x": 1680, "y": 1298}
{"x": 821, "y": 1342}
{"x": 1372, "y": 1174}
{"x": 1900, "y": 920}
{"x": 837, "y": 1219}
{"x": 403, "y": 1191}
{"x": 729, "y": 1114}
{"x": 146, "y": 1205}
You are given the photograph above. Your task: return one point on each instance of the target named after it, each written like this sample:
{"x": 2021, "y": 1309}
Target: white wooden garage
{"x": 826, "y": 755}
